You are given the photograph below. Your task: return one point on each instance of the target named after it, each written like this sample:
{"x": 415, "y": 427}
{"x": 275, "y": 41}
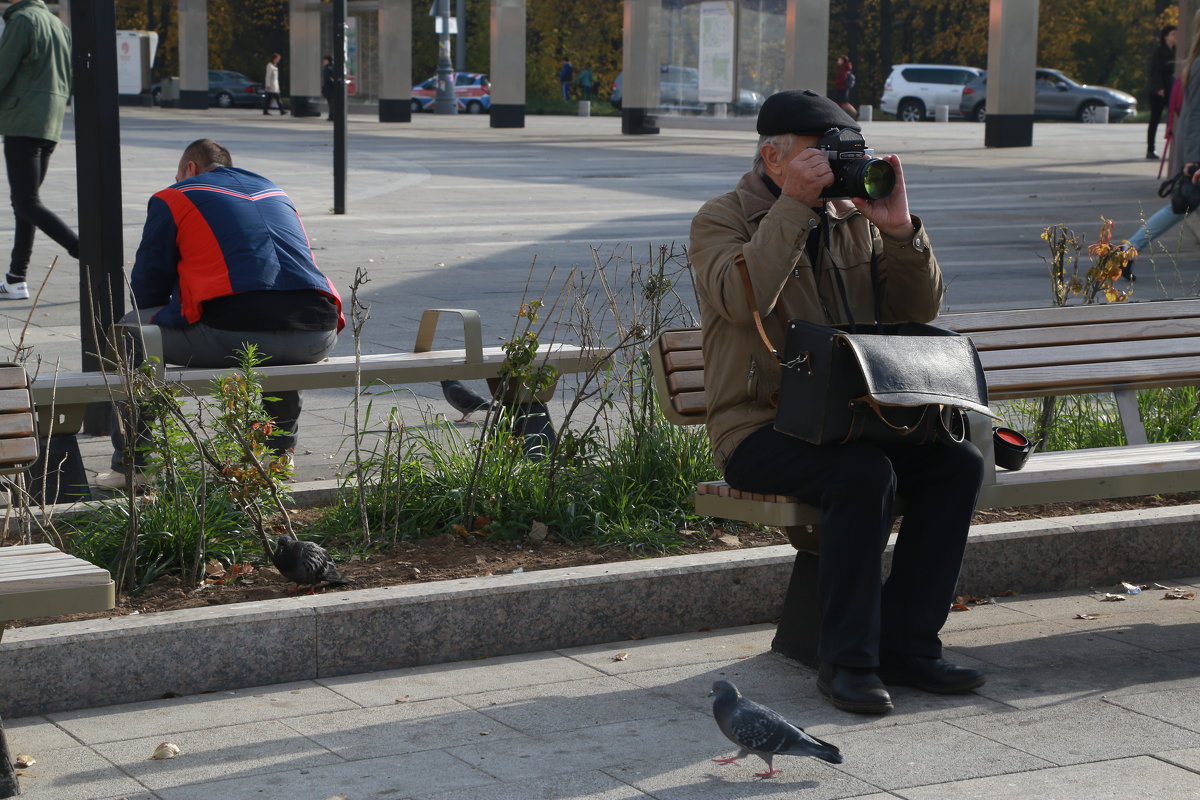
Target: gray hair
{"x": 783, "y": 142}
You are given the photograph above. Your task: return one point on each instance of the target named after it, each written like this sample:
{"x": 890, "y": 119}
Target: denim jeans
{"x": 1159, "y": 223}
{"x": 855, "y": 486}
{"x": 27, "y": 160}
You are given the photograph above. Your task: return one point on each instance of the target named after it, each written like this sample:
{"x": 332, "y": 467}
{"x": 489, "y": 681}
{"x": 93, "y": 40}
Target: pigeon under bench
{"x": 1113, "y": 349}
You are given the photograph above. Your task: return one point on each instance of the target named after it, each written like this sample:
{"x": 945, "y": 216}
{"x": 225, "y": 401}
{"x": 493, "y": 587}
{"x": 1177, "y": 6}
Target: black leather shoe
{"x": 856, "y": 690}
{"x": 1151, "y": 156}
{"x": 929, "y": 674}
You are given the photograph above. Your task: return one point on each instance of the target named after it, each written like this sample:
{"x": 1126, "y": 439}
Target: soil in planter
{"x": 451, "y": 556}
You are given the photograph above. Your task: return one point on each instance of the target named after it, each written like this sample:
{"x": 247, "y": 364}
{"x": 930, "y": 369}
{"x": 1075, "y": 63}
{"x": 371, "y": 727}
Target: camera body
{"x": 856, "y": 171}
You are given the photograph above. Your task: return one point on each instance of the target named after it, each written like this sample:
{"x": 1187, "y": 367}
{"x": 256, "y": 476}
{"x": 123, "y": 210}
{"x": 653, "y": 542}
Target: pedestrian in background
{"x": 328, "y": 83}
{"x": 566, "y": 76}
{"x": 271, "y": 85}
{"x": 35, "y": 82}
{"x": 1161, "y": 76}
{"x": 843, "y": 82}
{"x": 587, "y": 89}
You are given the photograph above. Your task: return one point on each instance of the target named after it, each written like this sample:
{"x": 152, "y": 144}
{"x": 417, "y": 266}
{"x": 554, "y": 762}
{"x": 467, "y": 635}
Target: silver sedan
{"x": 1056, "y": 97}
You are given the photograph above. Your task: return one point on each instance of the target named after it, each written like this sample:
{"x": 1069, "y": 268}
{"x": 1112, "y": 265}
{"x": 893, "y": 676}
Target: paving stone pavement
{"x": 1074, "y": 709}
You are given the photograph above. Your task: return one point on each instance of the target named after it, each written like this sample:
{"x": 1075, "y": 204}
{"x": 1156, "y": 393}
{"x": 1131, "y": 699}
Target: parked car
{"x": 226, "y": 89}
{"x": 472, "y": 91}
{"x": 1055, "y": 97}
{"x": 679, "y": 90}
{"x": 914, "y": 91}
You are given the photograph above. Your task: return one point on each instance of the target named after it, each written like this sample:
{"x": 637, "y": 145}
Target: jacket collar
{"x": 756, "y": 199}
{"x": 15, "y": 7}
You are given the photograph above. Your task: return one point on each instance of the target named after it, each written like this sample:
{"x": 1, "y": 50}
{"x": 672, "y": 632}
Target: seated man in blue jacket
{"x": 225, "y": 261}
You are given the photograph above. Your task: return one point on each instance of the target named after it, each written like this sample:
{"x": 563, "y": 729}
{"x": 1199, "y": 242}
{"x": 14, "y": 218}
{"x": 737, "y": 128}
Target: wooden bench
{"x": 36, "y": 580}
{"x": 1105, "y": 349}
{"x": 62, "y": 398}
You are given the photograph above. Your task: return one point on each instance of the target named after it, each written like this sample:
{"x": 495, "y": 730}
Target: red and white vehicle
{"x": 472, "y": 90}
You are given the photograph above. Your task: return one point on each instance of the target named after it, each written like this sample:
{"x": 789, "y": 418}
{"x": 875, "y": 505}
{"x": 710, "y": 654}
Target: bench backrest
{"x": 1025, "y": 353}
{"x": 18, "y": 435}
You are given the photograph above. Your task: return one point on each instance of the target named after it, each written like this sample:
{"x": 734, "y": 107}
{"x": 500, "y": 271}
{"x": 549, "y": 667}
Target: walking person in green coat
{"x": 35, "y": 82}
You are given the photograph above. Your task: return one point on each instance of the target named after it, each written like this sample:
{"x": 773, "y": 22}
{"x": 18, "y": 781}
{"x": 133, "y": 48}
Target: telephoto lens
{"x": 871, "y": 178}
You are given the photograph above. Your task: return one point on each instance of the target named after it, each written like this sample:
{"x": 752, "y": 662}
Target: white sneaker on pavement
{"x": 116, "y": 480}
{"x": 14, "y": 291}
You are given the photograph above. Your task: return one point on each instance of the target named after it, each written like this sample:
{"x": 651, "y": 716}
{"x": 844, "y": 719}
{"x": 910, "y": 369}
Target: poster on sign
{"x": 129, "y": 59}
{"x": 718, "y": 30}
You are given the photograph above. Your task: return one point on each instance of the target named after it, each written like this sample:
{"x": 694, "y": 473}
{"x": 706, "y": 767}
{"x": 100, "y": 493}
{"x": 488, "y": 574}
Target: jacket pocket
{"x": 762, "y": 382}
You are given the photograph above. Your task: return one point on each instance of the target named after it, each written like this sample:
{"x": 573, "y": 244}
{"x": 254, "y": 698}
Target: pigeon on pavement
{"x": 464, "y": 399}
{"x": 759, "y": 730}
{"x": 305, "y": 563}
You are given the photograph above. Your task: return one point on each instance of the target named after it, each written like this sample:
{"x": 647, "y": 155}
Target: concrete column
{"x": 395, "y": 60}
{"x": 193, "y": 53}
{"x": 508, "y": 64}
{"x": 640, "y": 92}
{"x": 1012, "y": 65}
{"x": 304, "y": 57}
{"x": 806, "y": 32}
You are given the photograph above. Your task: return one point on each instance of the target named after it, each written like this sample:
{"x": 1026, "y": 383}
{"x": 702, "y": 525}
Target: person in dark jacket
{"x": 1161, "y": 76}
{"x": 328, "y": 83}
{"x": 566, "y": 75}
{"x": 35, "y": 82}
{"x": 224, "y": 261}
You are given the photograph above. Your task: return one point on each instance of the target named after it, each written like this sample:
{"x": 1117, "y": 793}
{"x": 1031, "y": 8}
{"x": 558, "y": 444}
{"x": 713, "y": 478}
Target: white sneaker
{"x": 14, "y": 291}
{"x": 117, "y": 481}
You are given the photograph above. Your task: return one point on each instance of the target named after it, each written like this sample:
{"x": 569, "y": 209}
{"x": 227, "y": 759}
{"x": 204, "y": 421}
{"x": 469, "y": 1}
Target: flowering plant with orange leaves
{"x": 1109, "y": 261}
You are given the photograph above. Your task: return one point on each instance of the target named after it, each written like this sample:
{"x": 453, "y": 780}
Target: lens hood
{"x": 1011, "y": 448}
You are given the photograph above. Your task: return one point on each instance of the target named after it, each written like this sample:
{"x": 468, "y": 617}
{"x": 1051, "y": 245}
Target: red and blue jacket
{"x": 220, "y": 233}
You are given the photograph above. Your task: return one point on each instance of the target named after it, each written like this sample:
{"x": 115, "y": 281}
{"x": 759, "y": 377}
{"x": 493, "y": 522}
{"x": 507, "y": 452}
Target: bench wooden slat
{"x": 691, "y": 404}
{"x": 971, "y": 321}
{"x": 13, "y": 377}
{"x": 41, "y": 581}
{"x": 1083, "y": 334}
{"x": 689, "y": 381}
{"x": 1083, "y": 378}
{"x": 1144, "y": 350}
{"x": 682, "y": 340}
{"x": 20, "y": 424}
{"x": 683, "y": 360}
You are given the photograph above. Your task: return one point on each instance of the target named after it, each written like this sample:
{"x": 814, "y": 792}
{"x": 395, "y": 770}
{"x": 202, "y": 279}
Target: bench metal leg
{"x": 799, "y": 627}
{"x": 9, "y": 787}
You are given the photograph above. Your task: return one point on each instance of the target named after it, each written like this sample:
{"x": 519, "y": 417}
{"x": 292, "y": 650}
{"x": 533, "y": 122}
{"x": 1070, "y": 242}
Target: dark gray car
{"x": 1056, "y": 97}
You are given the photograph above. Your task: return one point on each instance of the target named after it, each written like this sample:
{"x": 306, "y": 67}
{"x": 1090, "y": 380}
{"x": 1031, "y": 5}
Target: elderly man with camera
{"x": 820, "y": 231}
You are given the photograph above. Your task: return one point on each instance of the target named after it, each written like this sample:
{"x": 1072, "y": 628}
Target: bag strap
{"x": 740, "y": 262}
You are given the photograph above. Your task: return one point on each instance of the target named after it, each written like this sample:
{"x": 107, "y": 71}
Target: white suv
{"x": 913, "y": 91}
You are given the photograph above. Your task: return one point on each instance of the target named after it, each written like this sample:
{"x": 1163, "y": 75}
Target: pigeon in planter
{"x": 464, "y": 399}
{"x": 305, "y": 563}
{"x": 759, "y": 730}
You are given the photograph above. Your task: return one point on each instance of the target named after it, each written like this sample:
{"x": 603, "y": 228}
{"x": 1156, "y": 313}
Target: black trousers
{"x": 1157, "y": 104}
{"x": 267, "y": 102}
{"x": 855, "y": 486}
{"x": 28, "y": 160}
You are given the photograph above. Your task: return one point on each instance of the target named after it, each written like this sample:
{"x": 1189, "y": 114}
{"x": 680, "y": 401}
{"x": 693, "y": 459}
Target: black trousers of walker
{"x": 27, "y": 161}
{"x": 855, "y": 486}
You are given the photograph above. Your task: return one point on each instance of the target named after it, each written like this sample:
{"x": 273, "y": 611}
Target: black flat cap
{"x": 802, "y": 111}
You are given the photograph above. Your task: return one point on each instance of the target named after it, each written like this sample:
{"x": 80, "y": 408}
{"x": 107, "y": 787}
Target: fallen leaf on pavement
{"x": 1109, "y": 597}
{"x": 959, "y": 607}
{"x": 166, "y": 750}
{"x": 23, "y": 761}
{"x": 622, "y": 656}
{"x": 1178, "y": 594}
{"x": 1084, "y": 616}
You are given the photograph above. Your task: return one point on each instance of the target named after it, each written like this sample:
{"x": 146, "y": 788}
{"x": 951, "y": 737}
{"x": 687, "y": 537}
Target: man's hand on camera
{"x": 890, "y": 214}
{"x": 1190, "y": 169}
{"x": 806, "y": 176}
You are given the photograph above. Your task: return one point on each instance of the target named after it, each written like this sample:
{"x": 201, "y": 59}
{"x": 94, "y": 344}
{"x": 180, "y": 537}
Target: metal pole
{"x": 339, "y": 107}
{"x": 98, "y": 181}
{"x": 460, "y": 57}
{"x": 445, "y": 102}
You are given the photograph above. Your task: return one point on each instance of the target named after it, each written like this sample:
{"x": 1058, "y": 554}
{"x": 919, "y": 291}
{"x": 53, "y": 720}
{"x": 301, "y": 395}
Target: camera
{"x": 856, "y": 171}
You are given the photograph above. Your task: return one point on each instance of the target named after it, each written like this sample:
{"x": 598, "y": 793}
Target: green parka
{"x": 740, "y": 376}
{"x": 35, "y": 72}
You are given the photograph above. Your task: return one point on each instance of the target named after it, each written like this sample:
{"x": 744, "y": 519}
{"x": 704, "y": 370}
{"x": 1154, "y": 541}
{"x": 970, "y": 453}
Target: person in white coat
{"x": 271, "y": 85}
